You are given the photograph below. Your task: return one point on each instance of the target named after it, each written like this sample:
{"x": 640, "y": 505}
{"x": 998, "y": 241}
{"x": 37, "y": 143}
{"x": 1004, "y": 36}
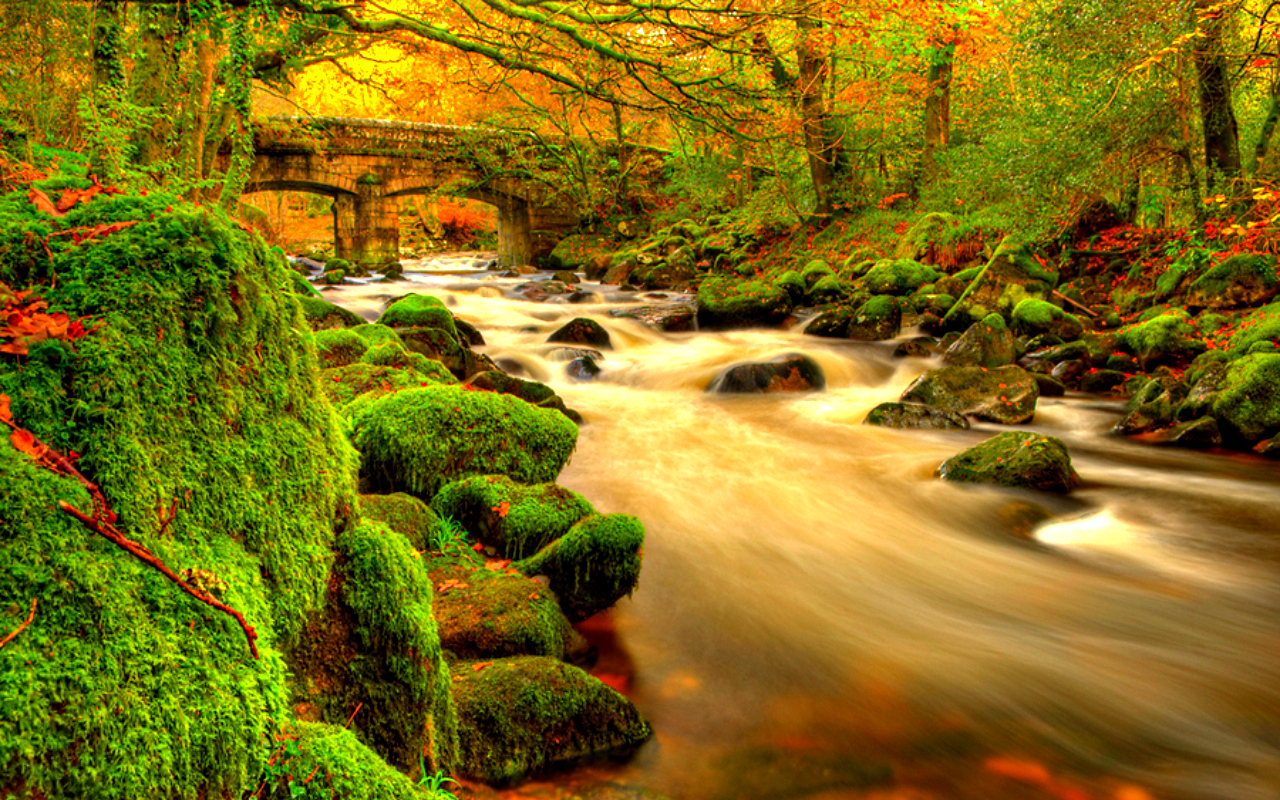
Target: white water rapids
{"x": 810, "y": 591}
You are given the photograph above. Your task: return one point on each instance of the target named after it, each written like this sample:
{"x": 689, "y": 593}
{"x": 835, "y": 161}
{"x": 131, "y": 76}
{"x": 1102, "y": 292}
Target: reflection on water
{"x": 816, "y": 609}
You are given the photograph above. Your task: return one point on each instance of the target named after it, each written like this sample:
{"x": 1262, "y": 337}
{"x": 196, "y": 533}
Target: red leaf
{"x": 5, "y": 415}
{"x": 43, "y": 203}
{"x": 25, "y": 441}
{"x": 501, "y": 508}
{"x": 478, "y": 667}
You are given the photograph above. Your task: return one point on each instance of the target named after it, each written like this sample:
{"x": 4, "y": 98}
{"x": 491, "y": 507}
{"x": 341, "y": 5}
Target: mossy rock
{"x": 419, "y": 439}
{"x": 1261, "y": 325}
{"x": 1247, "y": 406}
{"x": 321, "y": 314}
{"x": 538, "y": 394}
{"x": 988, "y": 343}
{"x": 899, "y": 277}
{"x": 830, "y": 289}
{"x": 521, "y": 715}
{"x": 332, "y": 277}
{"x": 1244, "y": 279}
{"x": 516, "y": 519}
{"x": 676, "y": 271}
{"x": 729, "y": 303}
{"x": 915, "y": 416}
{"x": 1006, "y": 395}
{"x": 201, "y": 386}
{"x": 373, "y": 333}
{"x": 342, "y": 385}
{"x": 565, "y": 276}
{"x": 438, "y": 344}
{"x": 321, "y": 762}
{"x": 581, "y": 330}
{"x": 815, "y": 271}
{"x": 1164, "y": 340}
{"x": 338, "y": 347}
{"x": 877, "y": 319}
{"x": 1012, "y": 275}
{"x": 786, "y": 373}
{"x": 791, "y": 283}
{"x": 1034, "y": 317}
{"x": 578, "y": 251}
{"x": 482, "y": 613}
{"x": 922, "y": 239}
{"x": 404, "y": 514}
{"x": 419, "y": 311}
{"x": 593, "y": 565}
{"x": 394, "y": 354}
{"x": 302, "y": 287}
{"x": 1018, "y": 459}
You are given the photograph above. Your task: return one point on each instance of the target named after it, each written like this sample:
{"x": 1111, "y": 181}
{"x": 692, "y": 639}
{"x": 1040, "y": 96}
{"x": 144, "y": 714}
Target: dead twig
{"x": 1078, "y": 305}
{"x": 30, "y": 617}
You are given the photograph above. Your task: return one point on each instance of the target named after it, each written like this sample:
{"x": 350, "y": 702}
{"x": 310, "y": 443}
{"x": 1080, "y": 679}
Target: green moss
{"x": 404, "y": 514}
{"x": 727, "y": 302}
{"x": 301, "y": 286}
{"x": 815, "y": 271}
{"x": 321, "y": 762}
{"x": 342, "y": 385}
{"x": 791, "y": 283}
{"x": 373, "y": 333}
{"x": 592, "y": 565}
{"x": 200, "y": 388}
{"x": 399, "y": 671}
{"x": 1262, "y": 325}
{"x": 516, "y": 519}
{"x": 1242, "y": 279}
{"x": 420, "y": 439}
{"x": 394, "y": 354}
{"x": 1019, "y": 459}
{"x": 539, "y": 394}
{"x": 338, "y": 347}
{"x": 899, "y": 277}
{"x": 1032, "y": 317}
{"x": 523, "y": 714}
{"x": 1247, "y": 407}
{"x": 488, "y": 614}
{"x": 419, "y": 311}
{"x": 321, "y": 314}
{"x": 1165, "y": 339}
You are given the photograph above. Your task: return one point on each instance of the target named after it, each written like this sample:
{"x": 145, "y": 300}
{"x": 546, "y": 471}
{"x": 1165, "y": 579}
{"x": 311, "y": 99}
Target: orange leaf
{"x": 501, "y": 508}
{"x": 43, "y": 203}
{"x": 5, "y": 415}
{"x": 25, "y": 441}
{"x": 478, "y": 667}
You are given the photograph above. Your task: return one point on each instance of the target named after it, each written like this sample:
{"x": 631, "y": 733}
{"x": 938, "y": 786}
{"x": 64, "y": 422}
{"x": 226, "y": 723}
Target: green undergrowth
{"x": 199, "y": 393}
{"x": 321, "y": 762}
{"x": 515, "y": 519}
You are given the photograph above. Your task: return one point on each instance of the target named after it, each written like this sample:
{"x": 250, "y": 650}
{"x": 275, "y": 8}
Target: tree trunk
{"x": 818, "y": 144}
{"x": 198, "y": 114}
{"x": 1268, "y": 130}
{"x": 1217, "y": 114}
{"x": 153, "y": 79}
{"x": 937, "y": 107}
{"x": 108, "y": 45}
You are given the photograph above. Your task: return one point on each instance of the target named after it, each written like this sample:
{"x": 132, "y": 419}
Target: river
{"x": 815, "y": 607}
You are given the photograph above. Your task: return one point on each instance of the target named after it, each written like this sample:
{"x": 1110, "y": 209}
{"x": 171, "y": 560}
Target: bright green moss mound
{"x": 1247, "y": 407}
{"x": 899, "y": 276}
{"x": 201, "y": 387}
{"x": 400, "y": 670}
{"x": 322, "y": 314}
{"x": 417, "y": 440}
{"x": 404, "y": 514}
{"x": 1263, "y": 325}
{"x": 518, "y": 715}
{"x": 418, "y": 311}
{"x": 730, "y": 302}
{"x": 593, "y": 565}
{"x": 344, "y": 384}
{"x": 394, "y": 354}
{"x": 339, "y": 765}
{"x": 533, "y": 516}
{"x": 338, "y": 347}
{"x": 1165, "y": 339}
{"x": 815, "y": 271}
{"x": 1018, "y": 459}
{"x": 1243, "y": 279}
{"x": 373, "y": 333}
{"x": 1032, "y": 317}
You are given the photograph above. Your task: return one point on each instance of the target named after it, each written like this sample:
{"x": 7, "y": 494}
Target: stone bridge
{"x": 365, "y": 165}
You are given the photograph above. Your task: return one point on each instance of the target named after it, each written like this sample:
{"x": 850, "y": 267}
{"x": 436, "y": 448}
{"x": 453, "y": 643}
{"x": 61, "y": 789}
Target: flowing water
{"x": 816, "y": 608}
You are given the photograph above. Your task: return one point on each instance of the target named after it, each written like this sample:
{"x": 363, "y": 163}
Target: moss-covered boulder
{"x": 1167, "y": 339}
{"x": 418, "y": 311}
{"x": 520, "y": 715}
{"x": 580, "y": 251}
{"x": 900, "y": 277}
{"x": 815, "y": 271}
{"x": 1260, "y": 325}
{"x": 419, "y": 439}
{"x": 517, "y": 520}
{"x": 584, "y": 331}
{"x": 316, "y": 761}
{"x": 404, "y": 514}
{"x": 1019, "y": 459}
{"x": 395, "y": 354}
{"x": 915, "y": 416}
{"x": 731, "y": 303}
{"x": 486, "y": 613}
{"x": 1012, "y": 275}
{"x": 1034, "y": 317}
{"x": 533, "y": 392}
{"x": 201, "y": 386}
{"x": 1244, "y": 279}
{"x": 321, "y": 314}
{"x": 1247, "y": 404}
{"x": 344, "y": 384}
{"x": 877, "y": 319}
{"x": 593, "y": 565}
{"x": 1006, "y": 395}
{"x": 338, "y": 347}
{"x": 676, "y": 317}
{"x": 791, "y": 283}
{"x": 988, "y": 343}
{"x": 830, "y": 289}
{"x": 786, "y": 373}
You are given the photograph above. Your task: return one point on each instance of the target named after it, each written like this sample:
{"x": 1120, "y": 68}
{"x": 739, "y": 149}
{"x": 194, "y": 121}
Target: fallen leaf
{"x": 25, "y": 441}
{"x": 501, "y": 508}
{"x": 497, "y": 563}
{"x": 5, "y": 415}
{"x": 478, "y": 667}
{"x": 43, "y": 203}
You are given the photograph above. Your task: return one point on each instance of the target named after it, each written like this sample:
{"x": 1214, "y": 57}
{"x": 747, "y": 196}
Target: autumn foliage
{"x": 26, "y": 322}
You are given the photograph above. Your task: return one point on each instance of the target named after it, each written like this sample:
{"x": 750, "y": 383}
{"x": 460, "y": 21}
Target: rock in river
{"x": 1019, "y": 459}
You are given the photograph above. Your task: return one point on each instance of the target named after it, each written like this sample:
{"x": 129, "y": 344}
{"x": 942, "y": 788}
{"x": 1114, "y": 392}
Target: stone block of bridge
{"x": 366, "y": 225}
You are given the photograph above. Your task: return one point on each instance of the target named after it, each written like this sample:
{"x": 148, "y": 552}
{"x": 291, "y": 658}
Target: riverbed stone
{"x": 1034, "y": 317}
{"x": 725, "y": 302}
{"x": 786, "y": 373}
{"x": 1247, "y": 406}
{"x": 533, "y": 392}
{"x": 987, "y": 343}
{"x": 1018, "y": 459}
{"x": 593, "y": 565}
{"x": 1006, "y": 395}
{"x": 515, "y": 519}
{"x": 677, "y": 317}
{"x": 1203, "y": 432}
{"x": 1012, "y": 275}
{"x": 877, "y": 319}
{"x": 487, "y": 613}
{"x": 520, "y": 715}
{"x": 1166, "y": 339}
{"x": 416, "y": 440}
{"x": 583, "y": 368}
{"x": 583, "y": 331}
{"x": 1244, "y": 279}
{"x": 915, "y": 416}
